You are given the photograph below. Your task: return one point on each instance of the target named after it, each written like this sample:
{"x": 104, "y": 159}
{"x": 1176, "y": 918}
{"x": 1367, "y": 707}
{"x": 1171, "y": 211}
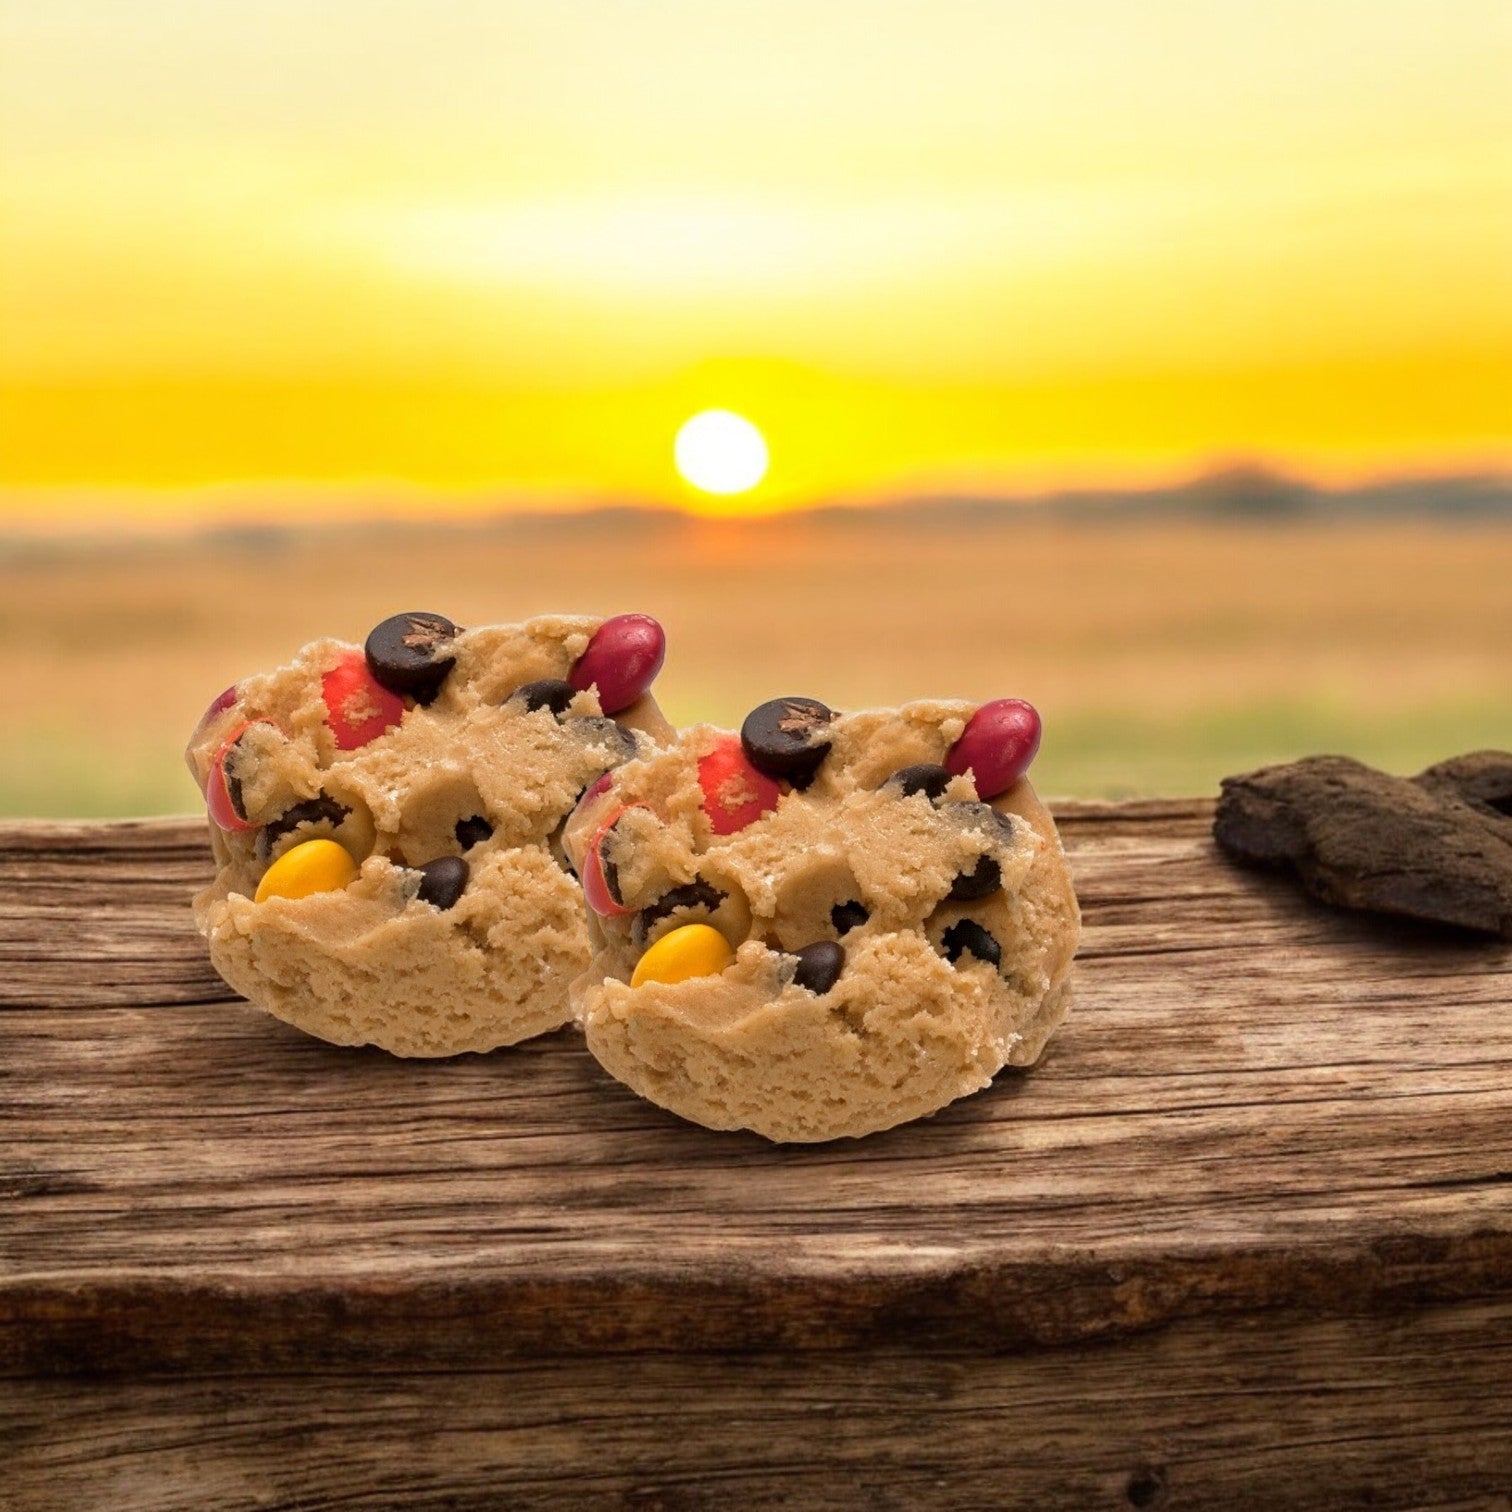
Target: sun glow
{"x": 720, "y": 452}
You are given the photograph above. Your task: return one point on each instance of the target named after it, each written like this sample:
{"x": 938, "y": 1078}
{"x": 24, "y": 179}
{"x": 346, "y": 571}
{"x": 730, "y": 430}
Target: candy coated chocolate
{"x": 600, "y": 876}
{"x": 997, "y": 746}
{"x": 735, "y": 794}
{"x": 621, "y": 661}
{"x": 223, "y": 796}
{"x": 358, "y": 707}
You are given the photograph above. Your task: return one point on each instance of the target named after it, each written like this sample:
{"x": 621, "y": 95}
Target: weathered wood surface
{"x": 1251, "y": 1217}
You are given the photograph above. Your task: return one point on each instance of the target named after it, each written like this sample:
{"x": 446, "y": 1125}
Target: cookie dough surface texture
{"x": 920, "y": 888}
{"x": 474, "y": 773}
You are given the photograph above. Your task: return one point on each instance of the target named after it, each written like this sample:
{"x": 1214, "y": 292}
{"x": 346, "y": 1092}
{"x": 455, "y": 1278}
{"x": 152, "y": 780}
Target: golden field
{"x": 1162, "y": 655}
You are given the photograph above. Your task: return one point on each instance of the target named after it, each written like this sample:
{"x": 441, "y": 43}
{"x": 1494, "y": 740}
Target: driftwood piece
{"x": 1243, "y": 1238}
{"x": 1437, "y": 847}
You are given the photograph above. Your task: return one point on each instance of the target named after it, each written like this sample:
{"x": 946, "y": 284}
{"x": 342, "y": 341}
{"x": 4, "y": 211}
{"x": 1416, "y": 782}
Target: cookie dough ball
{"x": 386, "y": 824}
{"x": 823, "y": 927}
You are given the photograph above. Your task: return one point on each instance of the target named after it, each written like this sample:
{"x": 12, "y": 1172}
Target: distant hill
{"x": 1238, "y": 493}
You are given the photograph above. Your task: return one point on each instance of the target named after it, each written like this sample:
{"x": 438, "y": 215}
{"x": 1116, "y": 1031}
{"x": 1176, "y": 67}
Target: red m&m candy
{"x": 600, "y": 885}
{"x": 997, "y": 745}
{"x": 735, "y": 794}
{"x": 358, "y": 707}
{"x": 223, "y": 797}
{"x": 621, "y": 661}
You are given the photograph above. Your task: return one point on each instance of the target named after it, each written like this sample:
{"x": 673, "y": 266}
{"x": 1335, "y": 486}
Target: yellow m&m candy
{"x": 316, "y": 866}
{"x": 695, "y": 950}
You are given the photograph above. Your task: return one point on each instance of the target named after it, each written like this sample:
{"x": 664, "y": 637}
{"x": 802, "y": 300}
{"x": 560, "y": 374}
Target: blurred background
{"x": 1150, "y": 362}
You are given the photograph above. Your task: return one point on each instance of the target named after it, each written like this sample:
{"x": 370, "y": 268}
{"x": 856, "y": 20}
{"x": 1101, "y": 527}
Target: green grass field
{"x": 1162, "y": 656}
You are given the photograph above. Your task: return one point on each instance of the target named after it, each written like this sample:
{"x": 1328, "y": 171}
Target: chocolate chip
{"x": 233, "y": 782}
{"x": 927, "y": 777}
{"x": 819, "y": 966}
{"x": 986, "y": 877}
{"x": 694, "y": 894}
{"x": 552, "y": 693}
{"x": 408, "y": 653}
{"x": 473, "y": 831}
{"x": 615, "y": 738}
{"x": 320, "y": 810}
{"x": 966, "y": 935}
{"x": 785, "y": 738}
{"x": 442, "y": 881}
{"x": 848, "y": 916}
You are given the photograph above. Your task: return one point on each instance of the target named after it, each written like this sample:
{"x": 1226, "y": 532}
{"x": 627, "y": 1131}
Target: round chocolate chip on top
{"x": 472, "y": 831}
{"x": 819, "y": 966}
{"x": 927, "y": 777}
{"x": 985, "y": 877}
{"x": 848, "y": 916}
{"x": 553, "y": 693}
{"x": 443, "y": 881}
{"x": 695, "y": 895}
{"x": 967, "y": 937}
{"x": 411, "y": 653}
{"x": 785, "y": 738}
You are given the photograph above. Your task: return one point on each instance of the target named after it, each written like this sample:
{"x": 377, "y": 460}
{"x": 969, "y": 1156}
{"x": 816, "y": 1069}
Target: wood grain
{"x": 1266, "y": 1412}
{"x": 1264, "y": 1173}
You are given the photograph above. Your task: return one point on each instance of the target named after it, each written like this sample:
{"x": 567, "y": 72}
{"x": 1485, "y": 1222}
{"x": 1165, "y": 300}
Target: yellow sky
{"x": 497, "y": 248}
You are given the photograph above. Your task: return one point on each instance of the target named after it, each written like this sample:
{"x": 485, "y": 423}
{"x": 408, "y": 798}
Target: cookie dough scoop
{"x": 386, "y": 824}
{"x": 828, "y": 924}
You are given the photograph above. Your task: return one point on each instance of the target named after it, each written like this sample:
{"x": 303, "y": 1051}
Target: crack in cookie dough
{"x": 462, "y": 927}
{"x": 896, "y": 940}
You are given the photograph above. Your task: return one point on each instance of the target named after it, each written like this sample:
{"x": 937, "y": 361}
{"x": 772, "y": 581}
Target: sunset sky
{"x": 322, "y": 254}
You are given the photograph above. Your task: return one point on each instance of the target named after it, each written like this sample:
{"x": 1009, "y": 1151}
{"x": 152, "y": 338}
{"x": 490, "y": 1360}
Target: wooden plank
{"x": 1254, "y": 1104}
{"x": 1274, "y": 1411}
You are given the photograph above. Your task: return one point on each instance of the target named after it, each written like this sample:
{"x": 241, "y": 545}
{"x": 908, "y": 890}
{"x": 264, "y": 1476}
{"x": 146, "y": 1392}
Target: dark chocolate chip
{"x": 785, "y": 738}
{"x": 927, "y": 777}
{"x": 848, "y": 916}
{"x": 234, "y": 783}
{"x": 409, "y": 653}
{"x": 443, "y": 881}
{"x": 473, "y": 831}
{"x": 546, "y": 693}
{"x": 320, "y": 810}
{"x": 695, "y": 894}
{"x": 613, "y": 737}
{"x": 819, "y": 966}
{"x": 985, "y": 877}
{"x": 966, "y": 935}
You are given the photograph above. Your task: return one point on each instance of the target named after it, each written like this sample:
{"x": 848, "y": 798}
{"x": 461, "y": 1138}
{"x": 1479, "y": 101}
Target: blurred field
{"x": 1162, "y": 655}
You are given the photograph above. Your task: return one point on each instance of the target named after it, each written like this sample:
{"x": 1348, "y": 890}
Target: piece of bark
{"x": 1437, "y": 847}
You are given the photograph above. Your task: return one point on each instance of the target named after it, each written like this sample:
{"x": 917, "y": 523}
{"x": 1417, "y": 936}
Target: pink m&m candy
{"x": 997, "y": 745}
{"x": 622, "y": 660}
{"x": 599, "y": 882}
{"x": 223, "y": 701}
{"x": 735, "y": 794}
{"x": 358, "y": 707}
{"x": 223, "y": 800}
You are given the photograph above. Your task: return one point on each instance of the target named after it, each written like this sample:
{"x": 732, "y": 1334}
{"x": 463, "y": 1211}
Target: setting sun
{"x": 720, "y": 452}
